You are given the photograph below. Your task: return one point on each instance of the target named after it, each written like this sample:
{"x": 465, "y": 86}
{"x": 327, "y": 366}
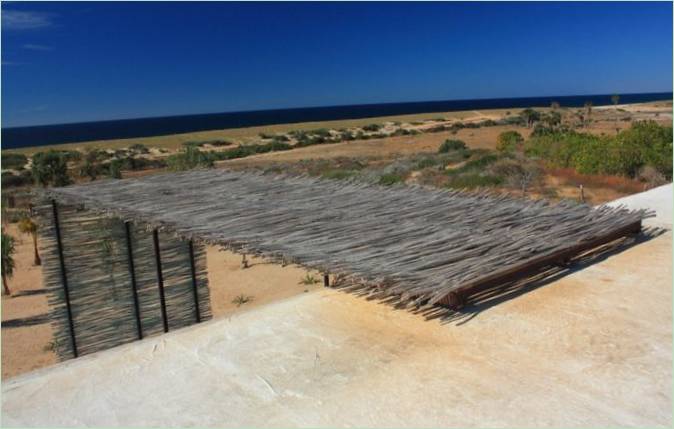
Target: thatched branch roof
{"x": 410, "y": 241}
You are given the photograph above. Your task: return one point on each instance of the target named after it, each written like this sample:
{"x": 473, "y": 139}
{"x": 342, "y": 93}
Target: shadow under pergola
{"x": 490, "y": 297}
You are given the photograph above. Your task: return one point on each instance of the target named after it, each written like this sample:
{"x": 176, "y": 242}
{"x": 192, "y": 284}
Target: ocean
{"x": 18, "y": 137}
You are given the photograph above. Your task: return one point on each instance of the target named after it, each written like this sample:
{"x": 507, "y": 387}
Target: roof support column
{"x": 64, "y": 276}
{"x": 160, "y": 279}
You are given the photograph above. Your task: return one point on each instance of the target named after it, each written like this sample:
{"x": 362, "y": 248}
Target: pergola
{"x": 417, "y": 246}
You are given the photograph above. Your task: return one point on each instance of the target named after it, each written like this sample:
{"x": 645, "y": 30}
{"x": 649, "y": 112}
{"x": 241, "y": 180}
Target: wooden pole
{"x": 134, "y": 286}
{"x": 160, "y": 279}
{"x": 195, "y": 286}
{"x": 64, "y": 277}
{"x": 326, "y": 280}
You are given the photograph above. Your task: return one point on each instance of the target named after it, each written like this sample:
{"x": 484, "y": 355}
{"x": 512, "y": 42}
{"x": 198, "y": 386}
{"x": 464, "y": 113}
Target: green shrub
{"x": 474, "y": 180}
{"x": 190, "y": 158}
{"x": 133, "y": 164}
{"x": 322, "y": 132}
{"x": 391, "y": 179}
{"x": 372, "y": 127}
{"x": 652, "y": 141}
{"x": 115, "y": 169}
{"x": 338, "y": 174}
{"x": 451, "y": 145}
{"x": 645, "y": 143}
{"x": 139, "y": 148}
{"x": 437, "y": 129}
{"x": 248, "y": 150}
{"x": 10, "y": 180}
{"x": 51, "y": 168}
{"x": 14, "y": 161}
{"x": 509, "y": 142}
{"x": 220, "y": 143}
{"x": 346, "y": 135}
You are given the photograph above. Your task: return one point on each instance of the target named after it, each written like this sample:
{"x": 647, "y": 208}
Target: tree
{"x": 520, "y": 172}
{"x": 530, "y": 116}
{"x": 553, "y": 119}
{"x": 588, "y": 110}
{"x": 615, "y": 99}
{"x": 115, "y": 169}
{"x": 90, "y": 167}
{"x": 7, "y": 261}
{"x": 29, "y": 226}
{"x": 50, "y": 167}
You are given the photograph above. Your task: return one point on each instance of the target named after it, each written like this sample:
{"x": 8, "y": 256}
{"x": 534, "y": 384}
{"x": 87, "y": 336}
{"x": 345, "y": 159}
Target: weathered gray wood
{"x": 96, "y": 257}
{"x": 408, "y": 242}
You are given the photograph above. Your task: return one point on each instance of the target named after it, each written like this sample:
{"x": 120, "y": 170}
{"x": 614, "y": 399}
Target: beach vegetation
{"x": 51, "y": 168}
{"x": 308, "y": 280}
{"x": 14, "y": 161}
{"x": 510, "y": 142}
{"x": 11, "y": 180}
{"x": 241, "y": 299}
{"x": 190, "y": 157}
{"x": 139, "y": 148}
{"x": 452, "y": 145}
{"x": 646, "y": 143}
{"x": 372, "y": 127}
{"x": 8, "y": 264}
{"x": 29, "y": 226}
{"x": 391, "y": 179}
{"x": 530, "y": 116}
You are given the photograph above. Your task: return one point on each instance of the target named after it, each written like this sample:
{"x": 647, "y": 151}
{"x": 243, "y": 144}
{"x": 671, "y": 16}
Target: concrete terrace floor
{"x": 593, "y": 348}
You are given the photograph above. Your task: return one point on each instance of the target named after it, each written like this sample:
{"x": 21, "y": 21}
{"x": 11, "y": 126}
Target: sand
{"x": 27, "y": 335}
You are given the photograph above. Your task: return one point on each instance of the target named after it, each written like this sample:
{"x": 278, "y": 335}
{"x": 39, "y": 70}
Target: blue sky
{"x": 70, "y": 62}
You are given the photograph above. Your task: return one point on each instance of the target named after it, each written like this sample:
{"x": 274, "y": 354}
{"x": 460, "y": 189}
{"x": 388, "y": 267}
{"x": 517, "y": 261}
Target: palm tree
{"x": 29, "y": 226}
{"x": 588, "y": 110}
{"x": 615, "y": 99}
{"x": 530, "y": 116}
{"x": 7, "y": 261}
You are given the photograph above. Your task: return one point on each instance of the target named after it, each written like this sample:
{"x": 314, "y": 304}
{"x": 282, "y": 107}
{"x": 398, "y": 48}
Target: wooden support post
{"x": 326, "y": 280}
{"x": 132, "y": 274}
{"x": 457, "y": 298}
{"x": 64, "y": 277}
{"x": 160, "y": 279}
{"x": 195, "y": 286}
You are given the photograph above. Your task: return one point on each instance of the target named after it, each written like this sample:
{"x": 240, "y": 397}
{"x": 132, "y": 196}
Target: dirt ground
{"x": 389, "y": 147}
{"x": 27, "y": 334}
{"x": 262, "y": 282}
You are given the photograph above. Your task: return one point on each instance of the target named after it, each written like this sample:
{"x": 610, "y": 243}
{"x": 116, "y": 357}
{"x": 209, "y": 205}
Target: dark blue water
{"x": 144, "y": 127}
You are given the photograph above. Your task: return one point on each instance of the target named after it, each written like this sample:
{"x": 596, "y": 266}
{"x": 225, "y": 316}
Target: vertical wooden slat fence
{"x": 102, "y": 276}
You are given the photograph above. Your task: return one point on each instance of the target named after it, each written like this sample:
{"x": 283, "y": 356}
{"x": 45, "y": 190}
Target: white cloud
{"x": 24, "y": 20}
{"x": 32, "y": 47}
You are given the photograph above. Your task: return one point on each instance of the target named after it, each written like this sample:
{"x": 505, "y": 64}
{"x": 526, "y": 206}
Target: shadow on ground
{"x": 29, "y": 292}
{"x": 26, "y": 321}
{"x": 504, "y": 292}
